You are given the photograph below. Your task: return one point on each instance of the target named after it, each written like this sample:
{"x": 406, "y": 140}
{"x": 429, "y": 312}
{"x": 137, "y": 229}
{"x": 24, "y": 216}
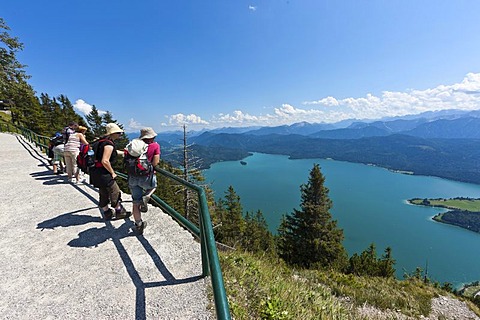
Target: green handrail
{"x": 210, "y": 260}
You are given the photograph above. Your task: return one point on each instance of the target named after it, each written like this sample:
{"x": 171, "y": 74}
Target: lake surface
{"x": 369, "y": 204}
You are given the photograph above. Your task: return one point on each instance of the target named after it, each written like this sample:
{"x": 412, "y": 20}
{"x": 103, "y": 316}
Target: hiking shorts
{"x": 58, "y": 154}
{"x": 138, "y": 186}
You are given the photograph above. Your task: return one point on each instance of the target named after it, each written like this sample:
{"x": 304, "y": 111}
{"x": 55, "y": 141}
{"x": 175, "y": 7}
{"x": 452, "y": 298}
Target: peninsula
{"x": 463, "y": 212}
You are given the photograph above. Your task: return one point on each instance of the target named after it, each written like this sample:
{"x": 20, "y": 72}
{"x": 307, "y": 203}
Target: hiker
{"x": 72, "y": 149}
{"x": 58, "y": 152}
{"x": 142, "y": 187}
{"x": 53, "y": 141}
{"x": 82, "y": 130}
{"x": 103, "y": 176}
{"x": 68, "y": 130}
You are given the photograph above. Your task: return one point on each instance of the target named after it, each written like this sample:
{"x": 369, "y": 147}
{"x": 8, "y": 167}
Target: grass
{"x": 472, "y": 205}
{"x": 265, "y": 288}
{"x": 471, "y": 290}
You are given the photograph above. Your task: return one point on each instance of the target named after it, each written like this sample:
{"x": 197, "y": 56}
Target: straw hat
{"x": 82, "y": 129}
{"x": 147, "y": 133}
{"x": 113, "y": 128}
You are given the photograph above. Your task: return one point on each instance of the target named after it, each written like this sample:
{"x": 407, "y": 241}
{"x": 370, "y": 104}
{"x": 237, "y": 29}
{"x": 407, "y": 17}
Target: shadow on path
{"x": 95, "y": 236}
{"x": 68, "y": 220}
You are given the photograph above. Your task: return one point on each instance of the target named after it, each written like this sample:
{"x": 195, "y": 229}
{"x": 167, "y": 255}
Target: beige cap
{"x": 113, "y": 128}
{"x": 147, "y": 133}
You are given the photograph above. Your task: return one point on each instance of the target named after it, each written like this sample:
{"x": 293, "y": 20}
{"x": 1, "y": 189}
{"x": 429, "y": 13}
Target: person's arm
{"x": 156, "y": 160}
{"x": 82, "y": 139}
{"x": 107, "y": 152}
{"x": 156, "y": 153}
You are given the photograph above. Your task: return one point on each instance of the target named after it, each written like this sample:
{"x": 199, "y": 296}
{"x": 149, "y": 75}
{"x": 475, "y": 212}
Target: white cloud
{"x": 84, "y": 107}
{"x": 237, "y": 117}
{"x": 464, "y": 96}
{"x": 180, "y": 119}
{"x": 252, "y": 8}
{"x": 133, "y": 125}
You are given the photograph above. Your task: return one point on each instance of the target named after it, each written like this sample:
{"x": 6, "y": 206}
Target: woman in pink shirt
{"x": 142, "y": 187}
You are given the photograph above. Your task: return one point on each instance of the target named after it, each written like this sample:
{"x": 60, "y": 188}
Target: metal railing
{"x": 210, "y": 260}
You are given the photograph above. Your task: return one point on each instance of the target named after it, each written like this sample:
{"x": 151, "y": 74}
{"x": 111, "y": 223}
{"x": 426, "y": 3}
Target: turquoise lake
{"x": 370, "y": 205}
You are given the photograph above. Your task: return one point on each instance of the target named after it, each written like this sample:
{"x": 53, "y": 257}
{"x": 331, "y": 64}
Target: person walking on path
{"x": 82, "y": 130}
{"x": 68, "y": 130}
{"x": 142, "y": 187}
{"x": 58, "y": 152}
{"x": 103, "y": 176}
{"x": 72, "y": 149}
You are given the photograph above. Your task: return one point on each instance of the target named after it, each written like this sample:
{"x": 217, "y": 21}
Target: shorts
{"x": 57, "y": 154}
{"x": 138, "y": 185}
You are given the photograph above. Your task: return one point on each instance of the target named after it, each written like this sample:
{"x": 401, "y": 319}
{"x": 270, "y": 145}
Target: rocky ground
{"x": 443, "y": 308}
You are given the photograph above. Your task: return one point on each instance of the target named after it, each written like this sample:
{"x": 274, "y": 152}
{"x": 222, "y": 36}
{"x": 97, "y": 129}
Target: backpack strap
{"x": 99, "y": 145}
{"x": 67, "y": 131}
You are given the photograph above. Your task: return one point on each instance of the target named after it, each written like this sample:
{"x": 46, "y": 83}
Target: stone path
{"x": 60, "y": 260}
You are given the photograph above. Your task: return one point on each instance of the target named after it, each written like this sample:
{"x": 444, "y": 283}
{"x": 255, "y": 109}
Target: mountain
{"x": 393, "y": 126}
{"x": 444, "y": 144}
{"x": 234, "y": 129}
{"x": 302, "y": 128}
{"x": 467, "y": 128}
{"x": 352, "y": 133}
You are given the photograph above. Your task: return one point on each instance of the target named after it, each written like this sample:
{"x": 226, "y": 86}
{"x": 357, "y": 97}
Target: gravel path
{"x": 60, "y": 260}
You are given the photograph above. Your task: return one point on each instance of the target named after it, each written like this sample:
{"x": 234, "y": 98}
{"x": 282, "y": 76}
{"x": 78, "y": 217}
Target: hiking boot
{"x": 108, "y": 215}
{"x": 144, "y": 204}
{"x": 140, "y": 227}
{"x": 122, "y": 213}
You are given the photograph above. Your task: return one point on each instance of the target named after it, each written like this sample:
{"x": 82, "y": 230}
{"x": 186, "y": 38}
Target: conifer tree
{"x": 68, "y": 112}
{"x": 95, "y": 123}
{"x": 257, "y": 237}
{"x": 309, "y": 237}
{"x": 368, "y": 264}
{"x": 387, "y": 264}
{"x": 121, "y": 142}
{"x": 232, "y": 227}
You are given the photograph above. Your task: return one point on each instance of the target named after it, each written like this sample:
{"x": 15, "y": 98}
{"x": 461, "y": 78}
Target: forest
{"x": 465, "y": 219}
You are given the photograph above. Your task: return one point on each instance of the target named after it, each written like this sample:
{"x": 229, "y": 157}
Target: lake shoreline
{"x": 369, "y": 203}
{"x": 464, "y": 223}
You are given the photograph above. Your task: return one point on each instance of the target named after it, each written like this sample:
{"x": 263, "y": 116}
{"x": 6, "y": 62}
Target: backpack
{"x": 57, "y": 139}
{"x": 67, "y": 131}
{"x": 86, "y": 158}
{"x": 135, "y": 159}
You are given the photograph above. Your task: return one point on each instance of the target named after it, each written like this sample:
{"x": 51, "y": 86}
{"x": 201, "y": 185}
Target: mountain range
{"x": 444, "y": 144}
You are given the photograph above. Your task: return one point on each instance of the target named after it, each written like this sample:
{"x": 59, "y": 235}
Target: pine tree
{"x": 257, "y": 237}
{"x": 368, "y": 264}
{"x": 95, "y": 123}
{"x": 387, "y": 264}
{"x": 232, "y": 227}
{"x": 68, "y": 112}
{"x": 309, "y": 237}
{"x": 121, "y": 142}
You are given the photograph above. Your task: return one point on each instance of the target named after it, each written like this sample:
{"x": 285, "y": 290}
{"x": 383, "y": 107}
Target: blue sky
{"x": 241, "y": 63}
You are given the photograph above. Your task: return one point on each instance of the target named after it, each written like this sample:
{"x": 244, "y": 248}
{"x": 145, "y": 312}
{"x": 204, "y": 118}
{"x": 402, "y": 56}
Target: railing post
{"x": 203, "y": 240}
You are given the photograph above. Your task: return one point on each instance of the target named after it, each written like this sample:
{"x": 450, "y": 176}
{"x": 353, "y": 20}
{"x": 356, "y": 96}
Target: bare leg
{"x": 137, "y": 215}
